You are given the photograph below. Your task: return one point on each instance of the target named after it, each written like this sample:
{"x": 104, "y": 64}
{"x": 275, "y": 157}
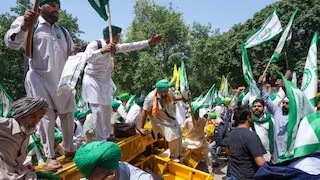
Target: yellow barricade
{"x": 169, "y": 170}
{"x": 192, "y": 157}
{"x": 131, "y": 147}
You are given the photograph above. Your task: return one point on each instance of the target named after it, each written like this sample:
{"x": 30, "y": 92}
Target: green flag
{"x": 184, "y": 85}
{"x": 310, "y": 75}
{"x": 268, "y": 30}
{"x": 5, "y": 103}
{"x": 283, "y": 39}
{"x": 299, "y": 107}
{"x": 100, "y": 7}
{"x": 206, "y": 101}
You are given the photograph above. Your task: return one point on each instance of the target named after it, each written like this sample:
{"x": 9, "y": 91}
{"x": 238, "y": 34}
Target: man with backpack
{"x": 51, "y": 45}
{"x": 96, "y": 84}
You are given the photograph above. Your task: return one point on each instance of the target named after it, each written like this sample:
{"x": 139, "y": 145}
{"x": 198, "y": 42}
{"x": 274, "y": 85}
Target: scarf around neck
{"x": 266, "y": 119}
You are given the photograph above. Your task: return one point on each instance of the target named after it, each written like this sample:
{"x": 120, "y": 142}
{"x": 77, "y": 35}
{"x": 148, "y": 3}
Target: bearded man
{"x": 51, "y": 47}
{"x": 263, "y": 126}
{"x": 14, "y": 137}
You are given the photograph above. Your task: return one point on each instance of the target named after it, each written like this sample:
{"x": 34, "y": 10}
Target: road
{"x": 219, "y": 172}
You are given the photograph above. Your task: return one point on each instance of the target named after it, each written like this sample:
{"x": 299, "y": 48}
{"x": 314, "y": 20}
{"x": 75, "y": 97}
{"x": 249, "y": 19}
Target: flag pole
{"x": 110, "y": 32}
{"x": 30, "y": 31}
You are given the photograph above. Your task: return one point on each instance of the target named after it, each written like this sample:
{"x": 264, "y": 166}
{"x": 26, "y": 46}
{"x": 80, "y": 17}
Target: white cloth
{"x": 309, "y": 165}
{"x": 280, "y": 96}
{"x": 79, "y": 129}
{"x": 96, "y": 84}
{"x": 115, "y": 116}
{"x": 262, "y": 131}
{"x": 49, "y": 56}
{"x": 102, "y": 121}
{"x": 162, "y": 123}
{"x": 134, "y": 114}
{"x": 121, "y": 110}
{"x": 88, "y": 129}
{"x": 203, "y": 111}
{"x": 180, "y": 112}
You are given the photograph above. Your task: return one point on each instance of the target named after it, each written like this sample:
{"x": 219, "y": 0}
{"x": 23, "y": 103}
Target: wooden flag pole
{"x": 110, "y": 32}
{"x": 286, "y": 58}
{"x": 30, "y": 32}
{"x": 266, "y": 69}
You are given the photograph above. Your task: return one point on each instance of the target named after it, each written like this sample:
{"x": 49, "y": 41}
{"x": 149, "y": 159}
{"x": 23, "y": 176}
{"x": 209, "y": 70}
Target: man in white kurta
{"x": 96, "y": 85}
{"x": 135, "y": 112}
{"x": 122, "y": 110}
{"x": 160, "y": 109}
{"x": 51, "y": 48}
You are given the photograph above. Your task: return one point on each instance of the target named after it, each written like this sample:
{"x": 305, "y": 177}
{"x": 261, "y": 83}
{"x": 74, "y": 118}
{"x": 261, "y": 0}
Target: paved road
{"x": 219, "y": 172}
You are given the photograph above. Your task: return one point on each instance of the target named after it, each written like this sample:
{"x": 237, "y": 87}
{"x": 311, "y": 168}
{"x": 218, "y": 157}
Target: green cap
{"x": 43, "y": 2}
{"x": 115, "y": 31}
{"x": 163, "y": 85}
{"x": 124, "y": 97}
{"x": 115, "y": 105}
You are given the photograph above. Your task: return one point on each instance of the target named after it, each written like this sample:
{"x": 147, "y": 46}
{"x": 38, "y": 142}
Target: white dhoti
{"x": 101, "y": 115}
{"x": 62, "y": 106}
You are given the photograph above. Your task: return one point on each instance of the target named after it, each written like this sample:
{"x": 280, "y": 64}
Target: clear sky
{"x": 222, "y": 14}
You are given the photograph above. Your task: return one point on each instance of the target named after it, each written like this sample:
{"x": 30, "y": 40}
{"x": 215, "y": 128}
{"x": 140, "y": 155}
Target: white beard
{"x": 28, "y": 130}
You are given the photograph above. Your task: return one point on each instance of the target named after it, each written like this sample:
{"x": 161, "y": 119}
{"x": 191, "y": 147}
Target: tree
{"x": 139, "y": 71}
{"x": 12, "y": 65}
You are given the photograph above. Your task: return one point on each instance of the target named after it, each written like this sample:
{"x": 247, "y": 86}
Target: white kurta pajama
{"x": 165, "y": 125}
{"x": 134, "y": 115}
{"x": 96, "y": 84}
{"x": 50, "y": 48}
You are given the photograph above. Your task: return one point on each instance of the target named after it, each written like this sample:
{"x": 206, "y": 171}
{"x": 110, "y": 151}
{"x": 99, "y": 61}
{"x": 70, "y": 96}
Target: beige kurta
{"x": 13, "y": 151}
{"x": 162, "y": 123}
{"x": 195, "y": 133}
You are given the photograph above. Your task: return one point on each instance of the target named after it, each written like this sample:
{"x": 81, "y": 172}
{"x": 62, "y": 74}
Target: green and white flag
{"x": 268, "y": 30}
{"x": 294, "y": 79}
{"x": 283, "y": 39}
{"x": 246, "y": 67}
{"x": 5, "y": 103}
{"x": 82, "y": 106}
{"x": 206, "y": 101}
{"x": 130, "y": 103}
{"x": 310, "y": 75}
{"x": 299, "y": 107}
{"x": 100, "y": 7}
{"x": 307, "y": 139}
{"x": 184, "y": 85}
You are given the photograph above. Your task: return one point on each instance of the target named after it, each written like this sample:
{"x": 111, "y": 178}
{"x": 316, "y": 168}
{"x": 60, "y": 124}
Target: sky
{"x": 222, "y": 14}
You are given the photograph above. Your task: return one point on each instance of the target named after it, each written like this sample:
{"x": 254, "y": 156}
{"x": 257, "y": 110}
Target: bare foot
{"x": 52, "y": 165}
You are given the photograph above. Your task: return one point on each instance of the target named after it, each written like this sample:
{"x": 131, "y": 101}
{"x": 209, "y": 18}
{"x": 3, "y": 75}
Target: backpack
{"x": 64, "y": 32}
{"x": 99, "y": 44}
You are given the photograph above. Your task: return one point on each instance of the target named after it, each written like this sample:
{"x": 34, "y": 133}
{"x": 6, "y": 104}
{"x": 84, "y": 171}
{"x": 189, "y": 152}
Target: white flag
{"x": 310, "y": 75}
{"x": 269, "y": 29}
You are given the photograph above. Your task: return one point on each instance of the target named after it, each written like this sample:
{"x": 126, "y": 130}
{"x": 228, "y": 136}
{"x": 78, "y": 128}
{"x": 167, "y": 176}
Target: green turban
{"x": 57, "y": 137}
{"x": 227, "y": 100}
{"x": 115, "y": 31}
{"x": 82, "y": 115}
{"x": 115, "y": 105}
{"x": 140, "y": 101}
{"x": 43, "y": 2}
{"x": 104, "y": 155}
{"x": 124, "y": 97}
{"x": 163, "y": 85}
{"x": 213, "y": 116}
{"x": 176, "y": 92}
{"x": 75, "y": 113}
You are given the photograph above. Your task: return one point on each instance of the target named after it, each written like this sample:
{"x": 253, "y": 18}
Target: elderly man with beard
{"x": 263, "y": 126}
{"x": 159, "y": 107}
{"x": 14, "y": 137}
{"x": 51, "y": 46}
{"x": 280, "y": 116}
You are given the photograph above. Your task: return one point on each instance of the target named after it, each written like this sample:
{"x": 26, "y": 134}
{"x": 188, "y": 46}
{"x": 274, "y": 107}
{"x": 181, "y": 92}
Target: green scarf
{"x": 266, "y": 119}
